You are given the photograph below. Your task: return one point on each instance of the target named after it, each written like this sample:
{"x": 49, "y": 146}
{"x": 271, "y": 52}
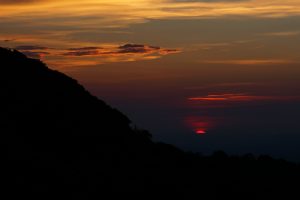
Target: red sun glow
{"x": 200, "y": 132}
{"x": 199, "y": 125}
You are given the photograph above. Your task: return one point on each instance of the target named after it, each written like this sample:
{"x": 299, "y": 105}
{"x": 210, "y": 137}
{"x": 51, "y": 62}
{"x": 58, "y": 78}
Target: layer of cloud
{"x": 34, "y": 51}
{"x": 62, "y": 23}
{"x": 35, "y": 54}
{"x": 127, "y": 49}
{"x": 85, "y": 49}
{"x": 240, "y": 97}
{"x": 95, "y": 55}
{"x": 121, "y": 12}
{"x": 282, "y": 34}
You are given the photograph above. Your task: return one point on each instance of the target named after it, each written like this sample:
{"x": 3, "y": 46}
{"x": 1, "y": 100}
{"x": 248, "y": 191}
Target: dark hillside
{"x": 56, "y": 136}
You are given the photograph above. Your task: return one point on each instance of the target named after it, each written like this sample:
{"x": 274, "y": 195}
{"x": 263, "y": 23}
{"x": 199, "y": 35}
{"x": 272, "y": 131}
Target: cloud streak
{"x": 283, "y": 34}
{"x": 238, "y": 98}
{"x": 94, "y": 55}
{"x": 35, "y": 54}
{"x": 127, "y": 49}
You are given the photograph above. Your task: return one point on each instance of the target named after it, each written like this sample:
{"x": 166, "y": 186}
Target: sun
{"x": 200, "y": 131}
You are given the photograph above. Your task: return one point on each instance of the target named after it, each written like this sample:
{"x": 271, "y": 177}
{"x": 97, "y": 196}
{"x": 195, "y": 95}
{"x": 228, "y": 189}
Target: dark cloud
{"x": 137, "y": 48}
{"x": 35, "y": 54}
{"x": 119, "y": 50}
{"x": 133, "y": 48}
{"x": 168, "y": 51}
{"x": 8, "y": 40}
{"x": 82, "y": 53}
{"x": 155, "y": 47}
{"x": 31, "y": 48}
{"x": 33, "y": 51}
{"x": 85, "y": 49}
{"x": 126, "y": 46}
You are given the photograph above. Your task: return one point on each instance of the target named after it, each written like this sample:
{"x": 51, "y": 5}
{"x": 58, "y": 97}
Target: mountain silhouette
{"x": 57, "y": 137}
{"x": 57, "y": 128}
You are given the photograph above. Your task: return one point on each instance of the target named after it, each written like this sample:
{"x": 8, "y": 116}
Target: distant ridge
{"x": 54, "y": 106}
{"x": 57, "y": 137}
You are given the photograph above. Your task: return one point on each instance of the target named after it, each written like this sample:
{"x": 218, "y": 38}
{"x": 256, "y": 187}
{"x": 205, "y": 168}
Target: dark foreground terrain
{"x": 57, "y": 137}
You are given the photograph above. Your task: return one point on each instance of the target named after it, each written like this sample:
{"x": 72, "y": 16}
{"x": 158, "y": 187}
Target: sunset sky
{"x": 201, "y": 74}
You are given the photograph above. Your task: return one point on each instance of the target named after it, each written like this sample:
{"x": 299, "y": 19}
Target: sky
{"x": 203, "y": 75}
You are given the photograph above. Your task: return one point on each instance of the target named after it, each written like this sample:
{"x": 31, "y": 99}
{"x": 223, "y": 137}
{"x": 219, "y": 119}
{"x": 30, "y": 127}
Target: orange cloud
{"x": 283, "y": 34}
{"x": 127, "y": 49}
{"x": 241, "y": 97}
{"x": 96, "y": 54}
{"x": 124, "y": 12}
